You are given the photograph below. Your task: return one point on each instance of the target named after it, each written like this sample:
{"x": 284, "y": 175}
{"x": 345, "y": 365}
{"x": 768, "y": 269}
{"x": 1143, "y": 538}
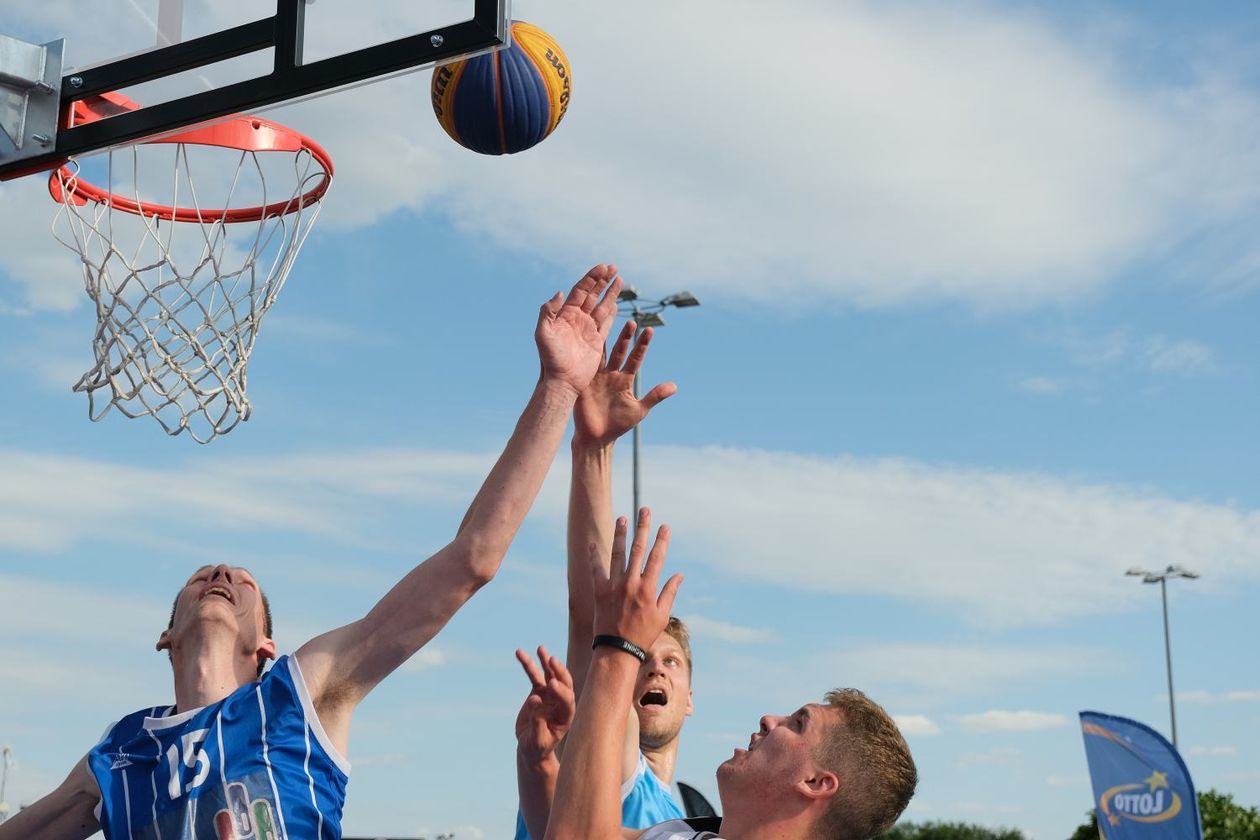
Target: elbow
{"x": 480, "y": 559}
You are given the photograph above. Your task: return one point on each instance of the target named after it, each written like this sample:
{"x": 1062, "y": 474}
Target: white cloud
{"x": 54, "y": 501}
{"x": 988, "y": 810}
{"x": 999, "y": 720}
{"x": 1216, "y": 698}
{"x": 314, "y": 330}
{"x": 930, "y": 151}
{"x": 1041, "y": 385}
{"x": 1057, "y": 780}
{"x": 725, "y": 631}
{"x": 50, "y": 276}
{"x": 997, "y": 755}
{"x": 429, "y": 656}
{"x": 1214, "y": 752}
{"x": 1154, "y": 353}
{"x": 25, "y": 614}
{"x": 852, "y": 526}
{"x": 930, "y": 673}
{"x": 889, "y": 527}
{"x": 916, "y": 725}
{"x": 1181, "y": 356}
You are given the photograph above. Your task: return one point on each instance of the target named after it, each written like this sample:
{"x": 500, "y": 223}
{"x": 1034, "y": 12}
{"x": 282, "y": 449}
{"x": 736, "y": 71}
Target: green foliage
{"x": 1088, "y": 831}
{"x": 1223, "y": 819}
{"x": 950, "y": 831}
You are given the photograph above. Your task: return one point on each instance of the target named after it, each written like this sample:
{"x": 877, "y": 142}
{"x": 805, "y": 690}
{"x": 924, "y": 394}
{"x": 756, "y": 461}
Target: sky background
{"x": 978, "y": 334}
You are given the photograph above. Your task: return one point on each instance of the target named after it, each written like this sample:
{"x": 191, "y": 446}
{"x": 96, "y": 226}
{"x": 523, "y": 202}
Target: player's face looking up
{"x": 227, "y": 596}
{"x": 781, "y": 754}
{"x": 663, "y": 692}
{"x": 847, "y": 755}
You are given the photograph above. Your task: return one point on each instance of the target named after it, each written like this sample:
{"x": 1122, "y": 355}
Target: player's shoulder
{"x": 128, "y": 725}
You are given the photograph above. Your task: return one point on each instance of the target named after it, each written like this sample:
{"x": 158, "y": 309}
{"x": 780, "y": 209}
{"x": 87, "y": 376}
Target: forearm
{"x": 590, "y": 521}
{"x": 31, "y": 822}
{"x": 536, "y": 787}
{"x": 354, "y": 658}
{"x": 587, "y": 798}
{"x": 65, "y": 814}
{"x": 509, "y": 490}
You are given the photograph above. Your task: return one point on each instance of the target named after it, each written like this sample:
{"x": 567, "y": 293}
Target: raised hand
{"x": 607, "y": 408}
{"x": 545, "y": 715}
{"x": 571, "y": 331}
{"x": 626, "y": 600}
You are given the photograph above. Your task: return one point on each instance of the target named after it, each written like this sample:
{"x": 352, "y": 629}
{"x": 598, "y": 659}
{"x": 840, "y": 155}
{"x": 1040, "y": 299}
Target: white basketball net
{"x": 179, "y": 304}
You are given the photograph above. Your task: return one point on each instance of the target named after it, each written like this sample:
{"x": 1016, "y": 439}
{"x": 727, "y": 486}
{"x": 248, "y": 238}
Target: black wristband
{"x": 621, "y": 644}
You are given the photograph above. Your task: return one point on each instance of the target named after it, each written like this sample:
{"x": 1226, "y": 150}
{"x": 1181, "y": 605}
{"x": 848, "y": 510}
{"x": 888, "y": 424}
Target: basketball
{"x": 505, "y": 101}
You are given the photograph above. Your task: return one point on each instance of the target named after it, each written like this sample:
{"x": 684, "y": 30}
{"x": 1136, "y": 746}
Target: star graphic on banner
{"x": 1157, "y": 780}
{"x": 1114, "y": 819}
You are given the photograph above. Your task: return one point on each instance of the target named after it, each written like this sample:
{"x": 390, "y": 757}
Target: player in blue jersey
{"x": 837, "y": 769}
{"x": 243, "y": 757}
{"x": 607, "y": 409}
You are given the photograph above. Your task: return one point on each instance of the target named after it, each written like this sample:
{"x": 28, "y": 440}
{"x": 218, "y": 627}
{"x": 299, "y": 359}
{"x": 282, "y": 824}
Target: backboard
{"x": 189, "y": 62}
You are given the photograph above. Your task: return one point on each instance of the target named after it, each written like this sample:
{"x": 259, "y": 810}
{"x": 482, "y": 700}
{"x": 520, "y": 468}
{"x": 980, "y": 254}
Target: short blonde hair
{"x": 678, "y": 631}
{"x": 877, "y": 773}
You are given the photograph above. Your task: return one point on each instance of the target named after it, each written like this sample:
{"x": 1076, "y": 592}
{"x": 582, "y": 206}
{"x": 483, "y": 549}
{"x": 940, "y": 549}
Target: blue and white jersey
{"x": 645, "y": 801}
{"x": 257, "y": 765}
{"x": 649, "y": 801}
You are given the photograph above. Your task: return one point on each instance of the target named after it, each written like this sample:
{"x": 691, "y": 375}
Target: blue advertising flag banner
{"x": 1142, "y": 789}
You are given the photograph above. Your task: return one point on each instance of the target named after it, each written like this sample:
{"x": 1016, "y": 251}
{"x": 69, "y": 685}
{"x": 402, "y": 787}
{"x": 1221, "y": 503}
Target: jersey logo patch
{"x": 119, "y": 763}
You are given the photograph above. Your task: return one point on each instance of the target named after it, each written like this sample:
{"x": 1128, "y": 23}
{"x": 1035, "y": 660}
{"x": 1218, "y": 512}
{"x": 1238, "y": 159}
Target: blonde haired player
{"x": 838, "y": 770}
{"x": 607, "y": 409}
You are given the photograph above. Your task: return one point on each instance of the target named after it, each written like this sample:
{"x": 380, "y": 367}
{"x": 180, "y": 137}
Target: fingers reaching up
{"x": 627, "y": 603}
{"x": 609, "y": 407}
{"x": 572, "y": 330}
{"x": 548, "y": 709}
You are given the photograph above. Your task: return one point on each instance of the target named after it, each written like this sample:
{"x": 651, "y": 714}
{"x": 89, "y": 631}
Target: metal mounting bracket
{"x": 30, "y": 97}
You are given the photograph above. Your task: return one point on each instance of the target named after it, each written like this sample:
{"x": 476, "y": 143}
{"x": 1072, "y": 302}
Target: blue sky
{"x": 979, "y": 288}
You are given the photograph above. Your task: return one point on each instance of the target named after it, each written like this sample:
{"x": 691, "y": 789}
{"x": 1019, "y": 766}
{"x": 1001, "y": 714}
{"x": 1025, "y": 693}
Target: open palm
{"x": 548, "y": 711}
{"x": 608, "y": 407}
{"x": 571, "y": 331}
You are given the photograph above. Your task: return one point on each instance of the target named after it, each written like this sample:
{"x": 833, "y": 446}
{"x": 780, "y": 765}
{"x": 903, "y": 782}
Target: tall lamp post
{"x": 1162, "y": 579}
{"x": 646, "y": 312}
{"x": 6, "y": 759}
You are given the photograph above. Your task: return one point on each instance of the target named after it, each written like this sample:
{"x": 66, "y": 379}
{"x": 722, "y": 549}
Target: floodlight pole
{"x": 1172, "y": 705}
{"x": 635, "y": 436}
{"x": 1162, "y": 579}
{"x": 645, "y": 313}
{"x": 6, "y": 758}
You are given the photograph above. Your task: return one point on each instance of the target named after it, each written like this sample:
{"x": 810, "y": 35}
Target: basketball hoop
{"x": 180, "y": 281}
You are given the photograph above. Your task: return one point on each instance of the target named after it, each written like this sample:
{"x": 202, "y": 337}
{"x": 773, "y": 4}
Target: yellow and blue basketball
{"x": 506, "y": 101}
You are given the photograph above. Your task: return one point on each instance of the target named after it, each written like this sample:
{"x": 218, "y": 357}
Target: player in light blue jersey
{"x": 836, "y": 769}
{"x": 247, "y": 755}
{"x": 607, "y": 409}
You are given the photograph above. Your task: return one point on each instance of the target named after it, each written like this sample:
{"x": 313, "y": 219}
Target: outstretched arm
{"x": 342, "y": 666}
{"x": 606, "y": 410}
{"x": 542, "y": 722}
{"x": 587, "y": 801}
{"x": 68, "y": 813}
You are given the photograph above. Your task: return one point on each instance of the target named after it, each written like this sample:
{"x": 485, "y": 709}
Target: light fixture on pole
{"x": 646, "y": 312}
{"x": 1162, "y": 579}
